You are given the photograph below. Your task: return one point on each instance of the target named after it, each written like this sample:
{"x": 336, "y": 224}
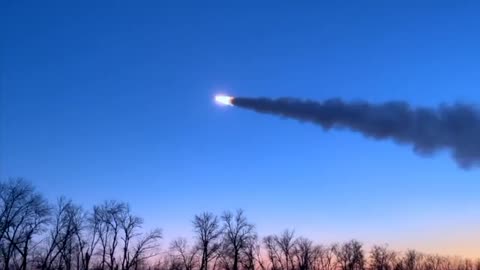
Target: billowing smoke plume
{"x": 455, "y": 128}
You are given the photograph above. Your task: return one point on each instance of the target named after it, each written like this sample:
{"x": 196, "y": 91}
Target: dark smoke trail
{"x": 452, "y": 127}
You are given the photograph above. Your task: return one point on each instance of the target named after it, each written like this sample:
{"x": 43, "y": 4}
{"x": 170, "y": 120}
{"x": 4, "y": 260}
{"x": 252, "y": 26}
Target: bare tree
{"x": 88, "y": 238}
{"x": 382, "y": 259}
{"x": 186, "y": 254}
{"x": 24, "y": 214}
{"x": 129, "y": 224}
{"x": 111, "y": 237}
{"x": 304, "y": 253}
{"x": 452, "y": 263}
{"x": 273, "y": 253}
{"x": 286, "y": 243}
{"x": 99, "y": 216}
{"x": 62, "y": 235}
{"x": 145, "y": 248}
{"x": 237, "y": 234}
{"x": 110, "y": 214}
{"x": 350, "y": 256}
{"x": 250, "y": 254}
{"x": 433, "y": 262}
{"x": 325, "y": 258}
{"x": 122, "y": 244}
{"x": 412, "y": 260}
{"x": 208, "y": 231}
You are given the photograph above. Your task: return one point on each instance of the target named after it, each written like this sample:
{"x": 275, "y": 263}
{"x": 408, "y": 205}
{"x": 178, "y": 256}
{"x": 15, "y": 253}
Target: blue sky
{"x": 113, "y": 100}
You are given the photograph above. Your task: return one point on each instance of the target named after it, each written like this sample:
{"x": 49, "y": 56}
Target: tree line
{"x": 37, "y": 234}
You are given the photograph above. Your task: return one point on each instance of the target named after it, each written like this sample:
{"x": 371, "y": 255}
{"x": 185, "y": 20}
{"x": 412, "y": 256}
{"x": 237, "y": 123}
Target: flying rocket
{"x": 224, "y": 100}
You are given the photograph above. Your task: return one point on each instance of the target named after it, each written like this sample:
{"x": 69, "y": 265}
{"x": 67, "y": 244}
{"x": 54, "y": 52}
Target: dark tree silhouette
{"x": 304, "y": 253}
{"x": 286, "y": 243}
{"x": 382, "y": 259}
{"x": 144, "y": 249}
{"x": 110, "y": 215}
{"x": 351, "y": 256}
{"x": 129, "y": 224}
{"x": 326, "y": 258}
{"x": 435, "y": 262}
{"x": 250, "y": 253}
{"x": 273, "y": 253}
{"x": 62, "y": 236}
{"x": 182, "y": 252}
{"x": 24, "y": 214}
{"x": 88, "y": 238}
{"x": 119, "y": 230}
{"x": 412, "y": 260}
{"x": 207, "y": 228}
{"x": 238, "y": 233}
{"x": 37, "y": 236}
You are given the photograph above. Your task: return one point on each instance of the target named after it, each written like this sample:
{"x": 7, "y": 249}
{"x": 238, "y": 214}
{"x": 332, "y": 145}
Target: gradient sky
{"x": 113, "y": 100}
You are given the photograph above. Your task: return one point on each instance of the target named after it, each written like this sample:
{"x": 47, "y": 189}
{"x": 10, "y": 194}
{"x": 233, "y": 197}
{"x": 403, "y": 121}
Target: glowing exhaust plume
{"x": 224, "y": 100}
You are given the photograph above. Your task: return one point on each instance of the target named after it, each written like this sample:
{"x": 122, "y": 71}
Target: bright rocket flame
{"x": 224, "y": 100}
